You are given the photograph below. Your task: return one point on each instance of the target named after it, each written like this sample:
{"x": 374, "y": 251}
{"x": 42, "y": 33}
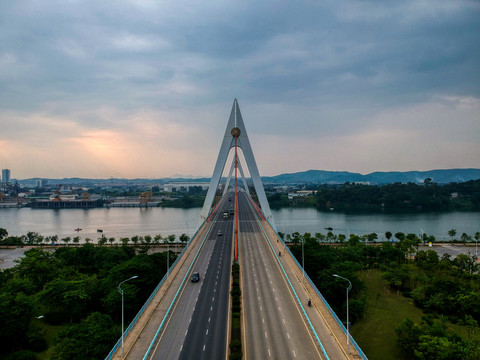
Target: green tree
{"x": 3, "y": 233}
{"x": 148, "y": 239}
{"x": 23, "y": 355}
{"x": 471, "y": 324}
{"x": 157, "y": 239}
{"x": 184, "y": 238}
{"x": 330, "y": 236}
{"x": 67, "y": 239}
{"x": 371, "y": 237}
{"x": 452, "y": 233}
{"x": 354, "y": 240}
{"x": 388, "y": 235}
{"x": 15, "y": 315}
{"x": 33, "y": 238}
{"x": 67, "y": 296}
{"x": 135, "y": 240}
{"x": 54, "y": 239}
{"x": 320, "y": 237}
{"x": 396, "y": 276}
{"x": 91, "y": 339}
{"x": 465, "y": 237}
{"x": 39, "y": 266}
{"x": 466, "y": 263}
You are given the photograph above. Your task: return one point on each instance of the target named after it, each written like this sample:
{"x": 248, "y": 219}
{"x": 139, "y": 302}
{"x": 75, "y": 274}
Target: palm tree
{"x": 452, "y": 233}
{"x": 388, "y": 235}
{"x": 465, "y": 237}
{"x": 157, "y": 239}
{"x": 135, "y": 239}
{"x": 184, "y": 238}
{"x": 148, "y": 239}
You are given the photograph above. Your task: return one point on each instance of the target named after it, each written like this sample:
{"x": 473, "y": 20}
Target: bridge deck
{"x": 331, "y": 335}
{"x": 141, "y": 335}
{"x": 264, "y": 240}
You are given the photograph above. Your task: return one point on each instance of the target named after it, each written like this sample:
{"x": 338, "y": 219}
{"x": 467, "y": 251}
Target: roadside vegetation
{"x": 404, "y": 303}
{"x": 64, "y": 303}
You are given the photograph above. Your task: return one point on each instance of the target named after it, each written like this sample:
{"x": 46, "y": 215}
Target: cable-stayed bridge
{"x": 192, "y": 320}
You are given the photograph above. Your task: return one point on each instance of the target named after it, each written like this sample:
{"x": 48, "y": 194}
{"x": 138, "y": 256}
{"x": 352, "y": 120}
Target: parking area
{"x": 453, "y": 250}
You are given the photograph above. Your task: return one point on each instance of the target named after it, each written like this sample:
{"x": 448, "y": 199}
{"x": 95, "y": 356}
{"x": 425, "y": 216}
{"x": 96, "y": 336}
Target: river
{"x": 127, "y": 222}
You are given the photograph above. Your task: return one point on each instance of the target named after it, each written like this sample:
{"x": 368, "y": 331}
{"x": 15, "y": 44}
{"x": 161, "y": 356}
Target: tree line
{"x": 396, "y": 197}
{"x": 34, "y": 238}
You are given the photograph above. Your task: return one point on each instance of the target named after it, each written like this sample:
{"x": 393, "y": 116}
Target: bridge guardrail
{"x": 150, "y": 298}
{"x": 325, "y": 302}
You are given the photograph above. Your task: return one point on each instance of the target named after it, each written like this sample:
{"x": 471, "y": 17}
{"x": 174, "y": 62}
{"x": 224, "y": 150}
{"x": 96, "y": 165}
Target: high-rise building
{"x": 5, "y": 176}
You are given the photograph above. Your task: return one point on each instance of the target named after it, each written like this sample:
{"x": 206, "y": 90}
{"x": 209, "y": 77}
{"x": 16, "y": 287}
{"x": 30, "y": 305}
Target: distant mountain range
{"x": 339, "y": 177}
{"x": 311, "y": 176}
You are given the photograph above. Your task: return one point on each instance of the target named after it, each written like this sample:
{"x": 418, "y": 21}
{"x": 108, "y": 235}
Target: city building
{"x": 184, "y": 186}
{"x": 41, "y": 183}
{"x": 5, "y": 176}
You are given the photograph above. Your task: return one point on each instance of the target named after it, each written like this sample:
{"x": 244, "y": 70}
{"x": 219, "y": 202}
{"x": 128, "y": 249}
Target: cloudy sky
{"x": 145, "y": 88}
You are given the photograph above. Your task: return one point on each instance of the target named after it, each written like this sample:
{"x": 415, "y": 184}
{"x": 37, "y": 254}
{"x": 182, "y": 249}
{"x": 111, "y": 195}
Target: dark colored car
{"x": 195, "y": 277}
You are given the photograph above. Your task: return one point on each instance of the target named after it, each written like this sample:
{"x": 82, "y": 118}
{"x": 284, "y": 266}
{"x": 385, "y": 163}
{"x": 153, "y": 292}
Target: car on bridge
{"x": 195, "y": 277}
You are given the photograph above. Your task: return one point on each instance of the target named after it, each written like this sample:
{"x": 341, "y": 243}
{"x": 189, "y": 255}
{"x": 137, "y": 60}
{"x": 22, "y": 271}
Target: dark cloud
{"x": 330, "y": 67}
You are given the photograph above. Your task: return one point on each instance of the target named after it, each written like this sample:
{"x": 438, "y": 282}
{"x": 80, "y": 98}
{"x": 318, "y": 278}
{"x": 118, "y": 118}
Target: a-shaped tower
{"x": 236, "y": 121}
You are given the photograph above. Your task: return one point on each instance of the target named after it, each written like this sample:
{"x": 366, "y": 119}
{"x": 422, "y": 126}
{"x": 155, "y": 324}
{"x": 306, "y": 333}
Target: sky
{"x": 100, "y": 89}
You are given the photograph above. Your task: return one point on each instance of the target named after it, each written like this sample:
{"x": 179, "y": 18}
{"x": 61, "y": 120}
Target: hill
{"x": 444, "y": 176}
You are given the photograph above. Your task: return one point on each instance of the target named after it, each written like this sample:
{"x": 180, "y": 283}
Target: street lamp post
{"x": 476, "y": 248}
{"x": 303, "y": 262}
{"x": 348, "y": 289}
{"x": 121, "y": 292}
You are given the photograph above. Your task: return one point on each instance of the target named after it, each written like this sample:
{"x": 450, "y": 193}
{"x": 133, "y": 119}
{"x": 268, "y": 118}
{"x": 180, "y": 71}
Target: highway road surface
{"x": 274, "y": 325}
{"x": 198, "y": 326}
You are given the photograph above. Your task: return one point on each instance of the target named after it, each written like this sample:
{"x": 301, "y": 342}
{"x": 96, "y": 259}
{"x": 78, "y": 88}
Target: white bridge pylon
{"x": 236, "y": 121}
{"x": 230, "y": 173}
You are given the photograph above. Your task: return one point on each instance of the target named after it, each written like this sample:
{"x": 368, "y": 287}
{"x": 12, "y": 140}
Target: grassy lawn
{"x": 375, "y": 333}
{"x": 51, "y": 331}
{"x": 385, "y": 310}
